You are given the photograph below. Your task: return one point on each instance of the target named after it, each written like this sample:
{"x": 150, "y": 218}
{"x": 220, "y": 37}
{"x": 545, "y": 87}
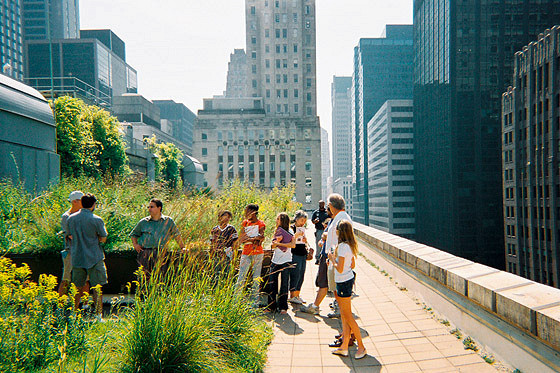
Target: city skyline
{"x": 202, "y": 69}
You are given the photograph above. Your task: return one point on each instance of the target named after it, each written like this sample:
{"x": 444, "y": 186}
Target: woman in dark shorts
{"x": 343, "y": 260}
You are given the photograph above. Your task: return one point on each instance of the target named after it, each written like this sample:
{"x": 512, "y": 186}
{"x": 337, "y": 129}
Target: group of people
{"x": 83, "y": 257}
{"x": 84, "y": 265}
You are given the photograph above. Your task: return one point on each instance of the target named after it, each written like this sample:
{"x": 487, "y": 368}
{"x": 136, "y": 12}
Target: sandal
{"x": 338, "y": 343}
{"x": 340, "y": 352}
{"x": 359, "y": 356}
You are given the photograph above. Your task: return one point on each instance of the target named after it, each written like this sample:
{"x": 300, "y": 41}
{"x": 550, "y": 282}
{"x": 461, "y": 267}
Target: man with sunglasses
{"x": 151, "y": 235}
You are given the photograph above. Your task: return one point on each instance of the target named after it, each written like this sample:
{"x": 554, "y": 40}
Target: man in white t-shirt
{"x": 325, "y": 275}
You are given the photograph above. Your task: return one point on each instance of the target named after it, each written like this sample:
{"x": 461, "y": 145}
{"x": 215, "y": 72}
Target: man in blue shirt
{"x": 87, "y": 232}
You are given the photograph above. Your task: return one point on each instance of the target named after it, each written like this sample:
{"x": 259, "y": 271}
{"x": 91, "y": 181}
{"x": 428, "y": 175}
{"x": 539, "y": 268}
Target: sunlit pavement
{"x": 400, "y": 336}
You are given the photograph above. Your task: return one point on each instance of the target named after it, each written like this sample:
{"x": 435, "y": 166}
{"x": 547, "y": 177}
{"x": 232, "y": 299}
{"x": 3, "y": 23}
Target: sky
{"x": 181, "y": 48}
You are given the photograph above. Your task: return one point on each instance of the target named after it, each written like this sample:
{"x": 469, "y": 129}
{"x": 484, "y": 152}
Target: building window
{"x": 308, "y": 198}
{"x": 205, "y": 167}
{"x": 267, "y": 64}
{"x": 253, "y": 10}
{"x": 308, "y": 82}
{"x": 307, "y": 10}
{"x": 277, "y": 32}
{"x": 254, "y": 69}
{"x": 267, "y": 33}
{"x": 295, "y": 48}
{"x": 277, "y": 18}
{"x": 296, "y": 93}
{"x": 285, "y": 77}
{"x": 295, "y": 17}
{"x": 267, "y": 78}
{"x": 296, "y": 78}
{"x": 267, "y": 48}
{"x": 254, "y": 55}
{"x": 204, "y": 136}
{"x": 296, "y": 108}
{"x": 285, "y": 33}
{"x": 308, "y": 97}
{"x": 253, "y": 40}
{"x": 308, "y": 151}
{"x": 268, "y": 93}
{"x": 254, "y": 83}
{"x": 308, "y": 166}
{"x": 204, "y": 152}
{"x": 278, "y": 64}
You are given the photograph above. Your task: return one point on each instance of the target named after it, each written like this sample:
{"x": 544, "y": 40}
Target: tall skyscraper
{"x": 272, "y": 137}
{"x": 463, "y": 59}
{"x": 59, "y": 17}
{"x": 341, "y": 130}
{"x": 325, "y": 162}
{"x": 391, "y": 168}
{"x": 281, "y": 55}
{"x": 382, "y": 71}
{"x": 530, "y": 162}
{"x": 11, "y": 39}
{"x": 236, "y": 85}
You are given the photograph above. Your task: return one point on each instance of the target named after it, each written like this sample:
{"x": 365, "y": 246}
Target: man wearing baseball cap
{"x": 75, "y": 198}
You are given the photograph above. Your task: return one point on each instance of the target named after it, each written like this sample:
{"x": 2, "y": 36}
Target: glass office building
{"x": 463, "y": 60}
{"x": 88, "y": 68}
{"x": 11, "y": 39}
{"x": 382, "y": 71}
{"x": 60, "y": 18}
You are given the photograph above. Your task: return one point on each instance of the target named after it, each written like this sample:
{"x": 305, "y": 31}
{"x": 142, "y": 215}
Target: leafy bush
{"x": 88, "y": 140}
{"x": 168, "y": 161}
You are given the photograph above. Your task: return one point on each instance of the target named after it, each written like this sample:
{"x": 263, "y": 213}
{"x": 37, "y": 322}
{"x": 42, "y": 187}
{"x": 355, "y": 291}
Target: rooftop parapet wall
{"x": 529, "y": 306}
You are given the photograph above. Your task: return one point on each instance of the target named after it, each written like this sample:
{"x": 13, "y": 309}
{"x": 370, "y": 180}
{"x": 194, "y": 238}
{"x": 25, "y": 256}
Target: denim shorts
{"x": 344, "y": 289}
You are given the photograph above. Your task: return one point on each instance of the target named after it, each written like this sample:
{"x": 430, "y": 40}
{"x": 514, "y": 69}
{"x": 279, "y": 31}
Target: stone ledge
{"x": 528, "y": 305}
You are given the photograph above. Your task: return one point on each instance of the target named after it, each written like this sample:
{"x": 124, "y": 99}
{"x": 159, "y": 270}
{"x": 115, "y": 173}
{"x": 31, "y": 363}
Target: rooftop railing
{"x": 71, "y": 86}
{"x": 515, "y": 318}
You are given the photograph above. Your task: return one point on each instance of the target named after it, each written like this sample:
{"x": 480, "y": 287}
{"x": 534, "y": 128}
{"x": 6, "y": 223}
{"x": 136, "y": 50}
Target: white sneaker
{"x": 312, "y": 309}
{"x": 295, "y": 300}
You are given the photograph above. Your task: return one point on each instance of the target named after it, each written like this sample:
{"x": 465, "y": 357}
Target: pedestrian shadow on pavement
{"x": 287, "y": 324}
{"x": 368, "y": 363}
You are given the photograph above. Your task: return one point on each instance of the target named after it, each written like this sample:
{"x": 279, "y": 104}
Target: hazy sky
{"x": 181, "y": 48}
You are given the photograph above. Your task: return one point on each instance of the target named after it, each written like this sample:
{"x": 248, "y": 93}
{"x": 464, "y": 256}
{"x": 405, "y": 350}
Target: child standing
{"x": 223, "y": 239}
{"x": 343, "y": 260}
{"x": 252, "y": 237}
{"x": 299, "y": 257}
{"x": 282, "y": 244}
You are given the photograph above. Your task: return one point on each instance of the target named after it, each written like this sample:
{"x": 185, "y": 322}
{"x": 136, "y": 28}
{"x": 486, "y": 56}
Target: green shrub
{"x": 88, "y": 140}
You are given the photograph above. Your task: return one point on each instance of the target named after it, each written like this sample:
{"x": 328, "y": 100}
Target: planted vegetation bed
{"x": 186, "y": 320}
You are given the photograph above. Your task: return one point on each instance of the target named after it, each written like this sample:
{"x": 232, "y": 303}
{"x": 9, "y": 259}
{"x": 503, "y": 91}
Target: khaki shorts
{"x": 97, "y": 275}
{"x": 67, "y": 266}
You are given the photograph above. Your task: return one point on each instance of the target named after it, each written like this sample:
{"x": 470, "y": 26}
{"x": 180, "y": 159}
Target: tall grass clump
{"x": 187, "y": 320}
{"x": 36, "y": 325}
{"x": 31, "y": 224}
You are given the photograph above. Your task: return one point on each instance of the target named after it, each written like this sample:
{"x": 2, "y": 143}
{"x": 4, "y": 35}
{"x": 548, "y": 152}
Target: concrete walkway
{"x": 399, "y": 334}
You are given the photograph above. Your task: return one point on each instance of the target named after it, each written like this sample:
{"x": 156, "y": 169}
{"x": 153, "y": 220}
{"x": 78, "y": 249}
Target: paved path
{"x": 400, "y": 335}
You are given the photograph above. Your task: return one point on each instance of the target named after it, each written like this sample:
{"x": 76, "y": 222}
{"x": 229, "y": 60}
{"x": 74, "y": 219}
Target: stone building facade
{"x": 236, "y": 85}
{"x": 530, "y": 162}
{"x": 234, "y": 139}
{"x": 272, "y": 136}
